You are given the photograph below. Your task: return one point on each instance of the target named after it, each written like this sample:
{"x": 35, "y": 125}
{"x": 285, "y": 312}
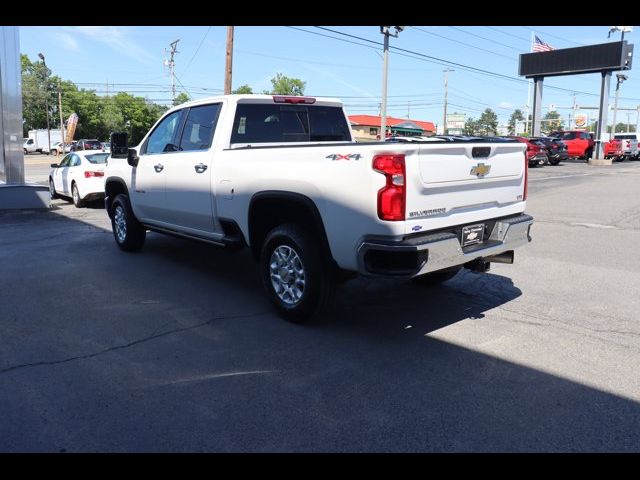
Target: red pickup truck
{"x": 579, "y": 142}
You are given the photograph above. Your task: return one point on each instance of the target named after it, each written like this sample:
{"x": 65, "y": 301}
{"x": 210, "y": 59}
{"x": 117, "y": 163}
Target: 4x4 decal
{"x": 348, "y": 156}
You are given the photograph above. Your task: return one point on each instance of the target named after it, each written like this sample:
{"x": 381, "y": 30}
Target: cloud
{"x": 116, "y": 38}
{"x": 66, "y": 41}
{"x": 505, "y": 105}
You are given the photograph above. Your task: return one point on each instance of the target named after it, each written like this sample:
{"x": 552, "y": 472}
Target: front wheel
{"x": 554, "y": 161}
{"x": 296, "y": 273}
{"x": 128, "y": 232}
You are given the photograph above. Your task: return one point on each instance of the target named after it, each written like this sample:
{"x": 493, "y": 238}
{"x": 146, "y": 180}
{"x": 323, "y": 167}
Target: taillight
{"x": 88, "y": 174}
{"x": 292, "y": 99}
{"x": 392, "y": 197}
{"x": 526, "y": 178}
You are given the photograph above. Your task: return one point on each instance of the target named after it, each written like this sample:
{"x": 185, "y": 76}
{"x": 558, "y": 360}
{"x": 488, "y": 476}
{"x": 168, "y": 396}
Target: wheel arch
{"x": 270, "y": 208}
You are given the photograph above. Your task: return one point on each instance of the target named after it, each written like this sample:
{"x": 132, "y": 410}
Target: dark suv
{"x": 87, "y": 144}
{"x": 556, "y": 148}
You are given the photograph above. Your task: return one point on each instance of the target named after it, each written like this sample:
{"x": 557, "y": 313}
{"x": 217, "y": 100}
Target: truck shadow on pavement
{"x": 177, "y": 349}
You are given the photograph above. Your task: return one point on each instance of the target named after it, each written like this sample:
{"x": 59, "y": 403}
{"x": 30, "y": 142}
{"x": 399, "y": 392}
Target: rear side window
{"x": 266, "y": 123}
{"x": 199, "y": 127}
{"x": 625, "y": 137}
{"x": 569, "y": 136}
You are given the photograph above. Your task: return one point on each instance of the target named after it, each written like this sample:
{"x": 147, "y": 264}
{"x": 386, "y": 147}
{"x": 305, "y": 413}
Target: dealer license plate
{"x": 472, "y": 234}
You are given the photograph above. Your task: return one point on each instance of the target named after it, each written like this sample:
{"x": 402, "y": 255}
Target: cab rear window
{"x": 266, "y": 123}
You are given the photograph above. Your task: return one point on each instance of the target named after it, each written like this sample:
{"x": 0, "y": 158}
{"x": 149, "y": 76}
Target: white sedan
{"x": 80, "y": 175}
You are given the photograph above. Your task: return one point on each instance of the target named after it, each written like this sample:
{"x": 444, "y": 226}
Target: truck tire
{"x": 295, "y": 273}
{"x": 437, "y": 277}
{"x": 128, "y": 232}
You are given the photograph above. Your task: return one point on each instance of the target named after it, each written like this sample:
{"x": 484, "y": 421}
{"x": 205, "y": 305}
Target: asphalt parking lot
{"x": 177, "y": 349}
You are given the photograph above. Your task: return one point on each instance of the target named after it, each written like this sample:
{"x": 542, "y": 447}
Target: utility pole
{"x": 526, "y": 118}
{"x": 575, "y": 107}
{"x": 385, "y": 69}
{"x": 229, "y": 61}
{"x": 61, "y": 117}
{"x": 408, "y": 109}
{"x": 620, "y": 78}
{"x": 172, "y": 64}
{"x": 446, "y": 92}
{"x": 46, "y": 99}
{"x": 628, "y": 120}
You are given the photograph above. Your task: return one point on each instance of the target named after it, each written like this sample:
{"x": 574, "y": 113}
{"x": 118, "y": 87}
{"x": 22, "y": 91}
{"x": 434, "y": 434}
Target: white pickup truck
{"x": 283, "y": 176}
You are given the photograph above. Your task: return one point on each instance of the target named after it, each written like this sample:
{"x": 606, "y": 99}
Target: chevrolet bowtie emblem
{"x": 480, "y": 170}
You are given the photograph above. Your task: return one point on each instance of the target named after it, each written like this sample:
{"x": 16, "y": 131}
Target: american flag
{"x": 540, "y": 46}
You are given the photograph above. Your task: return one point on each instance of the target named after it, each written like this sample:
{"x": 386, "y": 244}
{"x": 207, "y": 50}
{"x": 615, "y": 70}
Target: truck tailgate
{"x": 449, "y": 183}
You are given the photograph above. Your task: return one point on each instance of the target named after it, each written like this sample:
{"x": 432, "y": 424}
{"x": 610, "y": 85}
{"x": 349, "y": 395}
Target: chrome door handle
{"x": 158, "y": 167}
{"x": 201, "y": 167}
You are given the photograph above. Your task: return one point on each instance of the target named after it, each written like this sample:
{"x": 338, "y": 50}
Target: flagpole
{"x": 526, "y": 121}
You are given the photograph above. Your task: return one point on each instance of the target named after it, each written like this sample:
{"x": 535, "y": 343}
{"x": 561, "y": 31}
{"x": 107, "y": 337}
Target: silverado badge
{"x": 480, "y": 170}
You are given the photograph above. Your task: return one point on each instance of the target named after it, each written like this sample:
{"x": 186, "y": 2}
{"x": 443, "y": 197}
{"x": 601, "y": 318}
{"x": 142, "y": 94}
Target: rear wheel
{"x": 554, "y": 161}
{"x": 437, "y": 277}
{"x": 296, "y": 273}
{"x": 75, "y": 194}
{"x": 128, "y": 232}
{"x": 52, "y": 190}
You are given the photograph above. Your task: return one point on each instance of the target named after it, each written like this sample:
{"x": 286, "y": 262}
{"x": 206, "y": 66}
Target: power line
{"x": 552, "y": 35}
{"x": 462, "y": 43}
{"x": 528, "y": 40}
{"x": 485, "y": 38}
{"x": 196, "y": 52}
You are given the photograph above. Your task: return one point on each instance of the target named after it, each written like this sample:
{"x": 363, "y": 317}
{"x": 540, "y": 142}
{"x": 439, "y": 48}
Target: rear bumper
{"x": 418, "y": 255}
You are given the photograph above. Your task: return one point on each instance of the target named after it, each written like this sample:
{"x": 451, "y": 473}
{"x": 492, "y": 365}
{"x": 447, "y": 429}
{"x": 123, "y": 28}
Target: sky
{"x": 112, "y": 58}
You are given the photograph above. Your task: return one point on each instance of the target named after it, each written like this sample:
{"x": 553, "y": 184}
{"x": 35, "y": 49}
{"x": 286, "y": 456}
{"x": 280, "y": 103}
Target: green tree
{"x": 515, "y": 117}
{"x": 553, "y": 122}
{"x": 182, "y": 97}
{"x": 243, "y": 89}
{"x": 98, "y": 116}
{"x": 487, "y": 123}
{"x": 38, "y": 89}
{"x": 283, "y": 85}
{"x": 470, "y": 127}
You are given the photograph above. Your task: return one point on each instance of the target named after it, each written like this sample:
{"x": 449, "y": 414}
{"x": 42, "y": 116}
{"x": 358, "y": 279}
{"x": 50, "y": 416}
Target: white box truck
{"x": 38, "y": 140}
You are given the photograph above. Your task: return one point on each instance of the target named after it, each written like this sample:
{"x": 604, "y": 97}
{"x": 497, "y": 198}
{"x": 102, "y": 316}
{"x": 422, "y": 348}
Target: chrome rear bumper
{"x": 430, "y": 252}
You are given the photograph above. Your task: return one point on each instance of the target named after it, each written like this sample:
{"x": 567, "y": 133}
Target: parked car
{"x": 536, "y": 154}
{"x": 579, "y": 142}
{"x": 79, "y": 176}
{"x": 613, "y": 150}
{"x": 556, "y": 148}
{"x": 58, "y": 148}
{"x": 87, "y": 144}
{"x": 628, "y": 144}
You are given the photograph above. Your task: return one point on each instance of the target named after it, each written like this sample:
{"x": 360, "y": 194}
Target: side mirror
{"x": 119, "y": 146}
{"x": 132, "y": 157}
{"x": 54, "y": 165}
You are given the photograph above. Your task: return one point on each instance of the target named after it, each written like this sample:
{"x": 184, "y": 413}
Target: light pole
{"x": 385, "y": 68}
{"x": 46, "y": 100}
{"x": 621, "y": 78}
